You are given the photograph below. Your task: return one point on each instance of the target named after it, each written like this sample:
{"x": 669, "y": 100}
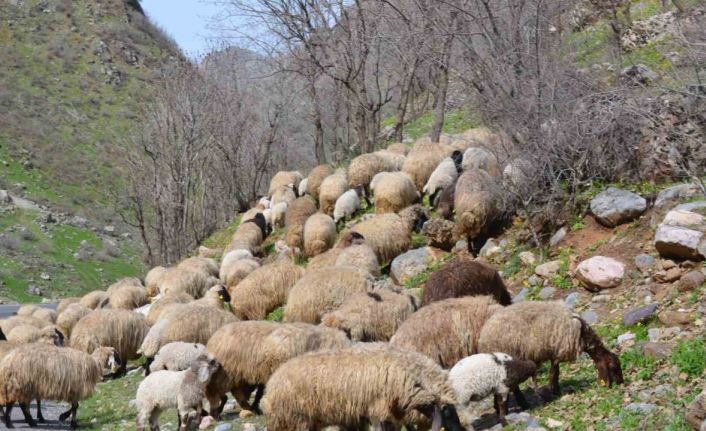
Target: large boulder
{"x": 600, "y": 272}
{"x": 669, "y": 197}
{"x": 682, "y": 233}
{"x": 615, "y": 206}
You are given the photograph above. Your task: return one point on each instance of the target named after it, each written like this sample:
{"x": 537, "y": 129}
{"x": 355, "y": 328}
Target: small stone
{"x": 572, "y": 299}
{"x": 690, "y": 281}
{"x": 675, "y": 318}
{"x": 461, "y": 245}
{"x": 625, "y": 339}
{"x": 533, "y": 280}
{"x": 206, "y": 422}
{"x": 600, "y": 272}
{"x": 246, "y": 414}
{"x": 521, "y": 295}
{"x": 601, "y": 298}
{"x": 44, "y": 276}
{"x": 223, "y": 427}
{"x": 229, "y": 407}
{"x": 644, "y": 262}
{"x": 590, "y": 317}
{"x": 489, "y": 244}
{"x": 616, "y": 206}
{"x": 668, "y": 276}
{"x": 640, "y": 408}
{"x": 656, "y": 350}
{"x": 548, "y": 269}
{"x": 547, "y": 292}
{"x": 493, "y": 252}
{"x": 557, "y": 237}
{"x": 249, "y": 427}
{"x": 636, "y": 315}
{"x": 109, "y": 229}
{"x": 528, "y": 258}
{"x": 553, "y": 423}
{"x": 667, "y": 264}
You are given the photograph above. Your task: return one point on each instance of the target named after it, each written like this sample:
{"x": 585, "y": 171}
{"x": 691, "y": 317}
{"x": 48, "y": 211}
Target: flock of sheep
{"x": 353, "y": 350}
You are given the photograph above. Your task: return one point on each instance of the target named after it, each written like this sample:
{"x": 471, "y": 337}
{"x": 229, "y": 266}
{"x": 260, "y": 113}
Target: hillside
{"x": 72, "y": 77}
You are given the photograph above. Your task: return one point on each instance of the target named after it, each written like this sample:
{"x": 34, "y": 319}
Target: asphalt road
{"x": 50, "y": 411}
{"x": 9, "y": 310}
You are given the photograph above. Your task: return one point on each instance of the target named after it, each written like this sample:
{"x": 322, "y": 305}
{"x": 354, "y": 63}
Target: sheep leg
{"x": 40, "y": 417}
{"x": 242, "y": 396}
{"x": 554, "y": 388}
{"x": 520, "y": 398}
{"x": 7, "y": 415}
{"x": 154, "y": 420}
{"x": 501, "y": 407}
{"x": 258, "y": 397}
{"x": 74, "y": 411}
{"x": 28, "y": 415}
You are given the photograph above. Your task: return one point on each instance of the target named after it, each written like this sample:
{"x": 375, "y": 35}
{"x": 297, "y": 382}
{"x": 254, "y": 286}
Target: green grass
{"x": 689, "y": 356}
{"x": 423, "y": 276}
{"x": 221, "y": 238}
{"x": 108, "y": 408}
{"x": 276, "y": 315}
{"x": 455, "y": 121}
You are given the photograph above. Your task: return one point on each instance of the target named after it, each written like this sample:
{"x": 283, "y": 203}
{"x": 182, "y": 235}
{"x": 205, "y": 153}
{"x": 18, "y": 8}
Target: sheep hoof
{"x": 63, "y": 416}
{"x": 74, "y": 425}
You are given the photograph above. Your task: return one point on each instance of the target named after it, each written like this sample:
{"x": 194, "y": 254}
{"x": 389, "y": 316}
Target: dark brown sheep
{"x": 465, "y": 277}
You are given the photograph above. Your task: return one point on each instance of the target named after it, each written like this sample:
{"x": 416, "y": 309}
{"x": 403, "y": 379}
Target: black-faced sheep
{"x": 356, "y": 387}
{"x": 183, "y": 390}
{"x": 393, "y": 192}
{"x": 316, "y": 178}
{"x": 475, "y": 204}
{"x": 121, "y": 329}
{"x": 297, "y": 215}
{"x": 465, "y": 277}
{"x": 477, "y": 376}
{"x": 548, "y": 331}
{"x": 25, "y": 334}
{"x": 423, "y": 159}
{"x": 444, "y": 175}
{"x": 284, "y": 178}
{"x": 323, "y": 290}
{"x": 40, "y": 371}
{"x": 372, "y": 316}
{"x": 250, "y": 352}
{"x": 446, "y": 331}
{"x": 264, "y": 289}
{"x": 249, "y": 234}
{"x": 319, "y": 234}
{"x": 332, "y": 188}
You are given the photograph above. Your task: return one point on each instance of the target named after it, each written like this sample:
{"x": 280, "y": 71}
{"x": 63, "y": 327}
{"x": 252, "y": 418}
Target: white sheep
{"x": 303, "y": 185}
{"x": 477, "y": 376}
{"x": 278, "y": 213}
{"x": 347, "y": 204}
{"x": 176, "y": 356}
{"x": 183, "y": 390}
{"x": 264, "y": 201}
{"x": 445, "y": 175}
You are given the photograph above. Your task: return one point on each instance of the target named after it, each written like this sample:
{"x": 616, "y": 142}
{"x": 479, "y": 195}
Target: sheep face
{"x": 442, "y": 416}
{"x": 58, "y": 338}
{"x": 204, "y": 367}
{"x": 457, "y": 157}
{"x": 114, "y": 362}
{"x": 609, "y": 369}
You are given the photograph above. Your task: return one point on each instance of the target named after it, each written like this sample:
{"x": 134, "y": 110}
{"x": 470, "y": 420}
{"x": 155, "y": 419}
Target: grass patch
{"x": 221, "y": 238}
{"x": 636, "y": 364}
{"x": 423, "y": 276}
{"x": 689, "y": 356}
{"x": 108, "y": 408}
{"x": 455, "y": 121}
{"x": 277, "y": 315}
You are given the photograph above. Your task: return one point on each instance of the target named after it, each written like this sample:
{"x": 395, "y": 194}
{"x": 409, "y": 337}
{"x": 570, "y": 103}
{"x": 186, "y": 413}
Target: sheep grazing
{"x": 204, "y": 265}
{"x": 122, "y": 330}
{"x": 178, "y": 280}
{"x": 40, "y": 371}
{"x": 319, "y": 234}
{"x": 264, "y": 289}
{"x": 216, "y": 296}
{"x": 278, "y": 214}
{"x": 249, "y": 234}
{"x": 125, "y": 281}
{"x": 126, "y": 297}
{"x": 237, "y": 271}
{"x": 152, "y": 280}
{"x": 372, "y": 316}
{"x": 46, "y": 314}
{"x": 445, "y": 203}
{"x": 11, "y": 323}
{"x": 25, "y": 334}
{"x": 70, "y": 317}
{"x": 393, "y": 160}
{"x": 330, "y": 257}
{"x": 176, "y": 356}
{"x": 390, "y": 235}
{"x": 284, "y": 178}
{"x": 364, "y": 167}
{"x": 93, "y": 299}
{"x": 422, "y": 160}
{"x": 446, "y": 331}
{"x": 398, "y": 148}
{"x": 183, "y": 390}
{"x": 477, "y": 376}
{"x": 26, "y": 310}
{"x": 548, "y": 331}
{"x": 323, "y": 290}
{"x": 445, "y": 175}
{"x": 393, "y": 192}
{"x": 297, "y": 214}
{"x": 356, "y": 387}
{"x": 332, "y": 188}
{"x": 282, "y": 195}
{"x": 347, "y": 204}
{"x": 360, "y": 256}
{"x": 475, "y": 203}
{"x": 478, "y": 158}
{"x": 249, "y": 352}
{"x": 163, "y": 302}
{"x": 64, "y": 303}
{"x": 316, "y": 179}
{"x": 465, "y": 277}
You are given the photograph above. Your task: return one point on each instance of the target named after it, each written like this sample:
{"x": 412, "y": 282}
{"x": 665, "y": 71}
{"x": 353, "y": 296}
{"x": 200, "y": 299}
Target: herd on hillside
{"x": 353, "y": 349}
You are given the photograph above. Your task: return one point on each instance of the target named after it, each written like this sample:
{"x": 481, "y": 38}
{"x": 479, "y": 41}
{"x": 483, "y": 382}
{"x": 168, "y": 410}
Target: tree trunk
{"x": 319, "y": 151}
{"x": 440, "y": 107}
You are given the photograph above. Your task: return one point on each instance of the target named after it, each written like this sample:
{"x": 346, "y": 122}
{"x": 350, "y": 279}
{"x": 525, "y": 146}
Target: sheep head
{"x": 607, "y": 362}
{"x": 445, "y": 416}
{"x": 204, "y": 367}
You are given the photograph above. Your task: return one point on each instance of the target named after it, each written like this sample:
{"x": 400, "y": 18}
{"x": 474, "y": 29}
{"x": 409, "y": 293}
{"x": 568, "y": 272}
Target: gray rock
{"x": 547, "y": 292}
{"x": 527, "y": 258}
{"x": 640, "y": 408}
{"x": 674, "y": 194}
{"x": 615, "y": 206}
{"x": 626, "y": 338}
{"x": 644, "y": 262}
{"x": 109, "y": 229}
{"x": 590, "y": 317}
{"x": 681, "y": 242}
{"x": 250, "y": 427}
{"x": 5, "y": 197}
{"x": 487, "y": 247}
{"x": 635, "y": 315}
{"x": 557, "y": 237}
{"x": 572, "y": 299}
{"x": 601, "y": 298}
{"x": 521, "y": 295}
{"x": 522, "y": 418}
{"x": 548, "y": 269}
{"x": 223, "y": 427}
{"x": 34, "y": 290}
{"x": 600, "y": 272}
{"x": 533, "y": 280}
{"x": 461, "y": 245}
{"x": 413, "y": 262}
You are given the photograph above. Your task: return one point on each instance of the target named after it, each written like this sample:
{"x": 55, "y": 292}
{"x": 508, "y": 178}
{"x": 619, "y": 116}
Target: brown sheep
{"x": 93, "y": 299}
{"x": 161, "y": 304}
{"x": 249, "y": 235}
{"x": 64, "y": 303}
{"x": 127, "y": 297}
{"x": 398, "y": 148}
{"x": 331, "y": 189}
{"x": 70, "y": 317}
{"x": 548, "y": 331}
{"x": 123, "y": 282}
{"x": 393, "y": 161}
{"x": 393, "y": 192}
{"x": 476, "y": 204}
{"x": 264, "y": 289}
{"x": 422, "y": 160}
{"x": 372, "y": 316}
{"x": 323, "y": 290}
{"x": 465, "y": 277}
{"x": 316, "y": 178}
{"x": 284, "y": 178}
{"x": 363, "y": 168}
{"x": 446, "y": 331}
{"x": 178, "y": 280}
{"x": 249, "y": 352}
{"x": 359, "y": 256}
{"x": 204, "y": 265}
{"x": 153, "y": 279}
{"x": 319, "y": 234}
{"x": 297, "y": 214}
{"x": 236, "y": 271}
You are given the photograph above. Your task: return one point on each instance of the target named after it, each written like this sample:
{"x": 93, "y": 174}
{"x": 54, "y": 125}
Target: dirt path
{"x": 50, "y": 411}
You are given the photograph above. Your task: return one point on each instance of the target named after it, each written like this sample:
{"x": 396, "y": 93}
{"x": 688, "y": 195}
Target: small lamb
{"x": 176, "y": 356}
{"x": 183, "y": 390}
{"x": 477, "y": 376}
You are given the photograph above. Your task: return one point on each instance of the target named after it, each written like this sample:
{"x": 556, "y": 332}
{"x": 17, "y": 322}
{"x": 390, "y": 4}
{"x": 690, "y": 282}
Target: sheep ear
{"x": 203, "y": 374}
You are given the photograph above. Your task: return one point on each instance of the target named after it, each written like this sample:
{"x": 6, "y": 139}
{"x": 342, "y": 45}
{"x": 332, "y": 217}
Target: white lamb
{"x": 347, "y": 204}
{"x": 278, "y": 213}
{"x": 183, "y": 390}
{"x": 477, "y": 376}
{"x": 177, "y": 356}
